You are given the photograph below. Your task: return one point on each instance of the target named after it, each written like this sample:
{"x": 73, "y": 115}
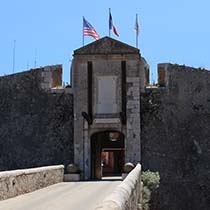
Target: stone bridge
{"x": 43, "y": 188}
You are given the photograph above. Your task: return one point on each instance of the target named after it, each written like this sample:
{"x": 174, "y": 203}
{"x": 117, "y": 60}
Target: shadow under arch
{"x": 107, "y": 154}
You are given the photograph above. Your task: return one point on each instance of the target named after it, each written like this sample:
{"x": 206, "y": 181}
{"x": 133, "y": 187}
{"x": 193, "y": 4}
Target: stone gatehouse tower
{"x": 107, "y": 78}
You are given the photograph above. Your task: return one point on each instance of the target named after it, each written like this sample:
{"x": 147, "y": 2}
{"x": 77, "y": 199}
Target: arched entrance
{"x": 107, "y": 154}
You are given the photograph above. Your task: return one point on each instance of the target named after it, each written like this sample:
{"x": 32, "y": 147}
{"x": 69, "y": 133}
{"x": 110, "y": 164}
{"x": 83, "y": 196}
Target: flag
{"x": 111, "y": 25}
{"x": 136, "y": 27}
{"x": 89, "y": 30}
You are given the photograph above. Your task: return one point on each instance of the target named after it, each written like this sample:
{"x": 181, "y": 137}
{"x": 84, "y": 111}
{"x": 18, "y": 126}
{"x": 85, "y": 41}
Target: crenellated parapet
{"x": 46, "y": 77}
{"x": 174, "y": 75}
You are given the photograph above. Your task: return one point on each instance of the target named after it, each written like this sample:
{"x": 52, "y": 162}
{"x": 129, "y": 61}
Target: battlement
{"x": 51, "y": 76}
{"x": 162, "y": 74}
{"x": 174, "y": 75}
{"x": 48, "y": 77}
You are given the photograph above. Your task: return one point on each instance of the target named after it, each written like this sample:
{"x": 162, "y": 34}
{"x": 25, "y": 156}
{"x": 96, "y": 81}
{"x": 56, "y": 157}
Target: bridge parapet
{"x": 127, "y": 195}
{"x": 17, "y": 182}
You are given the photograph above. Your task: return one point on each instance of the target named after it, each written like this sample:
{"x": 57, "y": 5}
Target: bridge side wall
{"x": 17, "y": 182}
{"x": 126, "y": 196}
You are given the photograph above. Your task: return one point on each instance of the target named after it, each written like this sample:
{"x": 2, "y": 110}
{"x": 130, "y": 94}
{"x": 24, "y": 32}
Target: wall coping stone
{"x": 125, "y": 194}
{"x": 17, "y": 182}
{"x": 28, "y": 171}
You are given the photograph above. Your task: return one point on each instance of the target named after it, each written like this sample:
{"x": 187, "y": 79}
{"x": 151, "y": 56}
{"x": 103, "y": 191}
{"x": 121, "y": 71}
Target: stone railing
{"x": 13, "y": 183}
{"x": 127, "y": 195}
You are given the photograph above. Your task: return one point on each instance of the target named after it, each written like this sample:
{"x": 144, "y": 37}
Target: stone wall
{"x": 36, "y": 123}
{"x": 17, "y": 182}
{"x": 126, "y": 196}
{"x": 175, "y": 138}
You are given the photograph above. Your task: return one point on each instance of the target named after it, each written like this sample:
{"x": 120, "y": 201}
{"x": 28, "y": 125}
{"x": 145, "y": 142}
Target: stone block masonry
{"x": 127, "y": 195}
{"x": 17, "y": 182}
{"x": 175, "y": 122}
{"x": 114, "y": 65}
{"x": 133, "y": 120}
{"x": 36, "y": 123}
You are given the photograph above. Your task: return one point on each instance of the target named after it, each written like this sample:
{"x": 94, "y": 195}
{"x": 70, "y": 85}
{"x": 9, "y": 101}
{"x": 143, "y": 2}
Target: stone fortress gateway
{"x": 107, "y": 78}
{"x": 165, "y": 127}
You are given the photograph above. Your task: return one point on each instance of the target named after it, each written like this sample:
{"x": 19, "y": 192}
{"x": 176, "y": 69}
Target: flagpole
{"x": 83, "y": 31}
{"x": 137, "y": 28}
{"x": 109, "y": 23}
{"x": 14, "y": 49}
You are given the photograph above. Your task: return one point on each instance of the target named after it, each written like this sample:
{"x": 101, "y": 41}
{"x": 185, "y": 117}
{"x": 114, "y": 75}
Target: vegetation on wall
{"x": 151, "y": 182}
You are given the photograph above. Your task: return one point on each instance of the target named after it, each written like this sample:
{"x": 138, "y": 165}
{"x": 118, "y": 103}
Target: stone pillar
{"x": 133, "y": 120}
{"x": 79, "y": 77}
{"x": 87, "y": 150}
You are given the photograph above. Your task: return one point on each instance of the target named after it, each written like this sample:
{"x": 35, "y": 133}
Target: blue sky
{"x": 48, "y": 31}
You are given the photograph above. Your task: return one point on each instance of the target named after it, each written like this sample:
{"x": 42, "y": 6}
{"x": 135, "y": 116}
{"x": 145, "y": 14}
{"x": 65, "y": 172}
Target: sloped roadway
{"x": 63, "y": 196}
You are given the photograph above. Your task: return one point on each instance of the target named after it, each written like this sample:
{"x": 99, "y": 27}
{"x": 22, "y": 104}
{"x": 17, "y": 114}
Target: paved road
{"x": 62, "y": 196}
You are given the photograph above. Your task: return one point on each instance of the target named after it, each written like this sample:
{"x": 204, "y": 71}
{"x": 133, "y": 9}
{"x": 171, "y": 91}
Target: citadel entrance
{"x": 107, "y": 78}
{"x": 107, "y": 154}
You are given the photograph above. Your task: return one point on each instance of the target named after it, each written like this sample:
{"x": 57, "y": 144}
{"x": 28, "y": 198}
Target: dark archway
{"x": 107, "y": 154}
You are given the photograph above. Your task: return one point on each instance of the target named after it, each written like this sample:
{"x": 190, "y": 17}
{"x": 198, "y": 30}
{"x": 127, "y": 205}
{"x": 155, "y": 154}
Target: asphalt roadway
{"x": 63, "y": 196}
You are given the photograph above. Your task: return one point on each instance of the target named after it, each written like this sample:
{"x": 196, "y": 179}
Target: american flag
{"x": 89, "y": 30}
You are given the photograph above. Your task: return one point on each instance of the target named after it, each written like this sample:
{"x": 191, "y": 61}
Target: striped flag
{"x": 111, "y": 25}
{"x": 89, "y": 30}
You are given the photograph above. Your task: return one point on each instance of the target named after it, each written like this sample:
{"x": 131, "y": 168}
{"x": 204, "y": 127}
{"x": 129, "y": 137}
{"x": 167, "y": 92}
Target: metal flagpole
{"x": 14, "y": 48}
{"x": 35, "y": 58}
{"x": 137, "y": 30}
{"x": 83, "y": 31}
{"x": 109, "y": 22}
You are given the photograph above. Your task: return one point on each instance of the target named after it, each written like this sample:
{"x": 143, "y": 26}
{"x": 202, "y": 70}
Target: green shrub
{"x": 146, "y": 198}
{"x": 151, "y": 182}
{"x": 151, "y": 179}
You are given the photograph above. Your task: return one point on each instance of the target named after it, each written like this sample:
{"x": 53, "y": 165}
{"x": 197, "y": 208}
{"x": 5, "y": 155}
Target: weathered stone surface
{"x": 127, "y": 195}
{"x": 71, "y": 177}
{"x": 107, "y": 45}
{"x": 72, "y": 169}
{"x": 36, "y": 125}
{"x": 106, "y": 58}
{"x": 128, "y": 167}
{"x": 13, "y": 183}
{"x": 176, "y": 140}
